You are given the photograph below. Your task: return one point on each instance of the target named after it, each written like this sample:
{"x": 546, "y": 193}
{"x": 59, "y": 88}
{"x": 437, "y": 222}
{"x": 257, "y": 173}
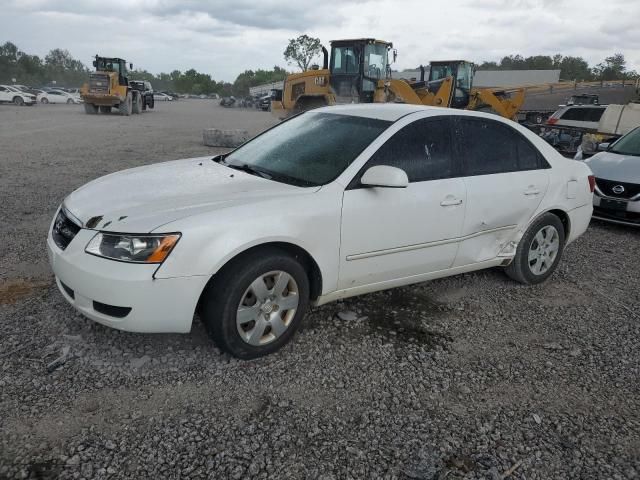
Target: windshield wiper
{"x": 248, "y": 169}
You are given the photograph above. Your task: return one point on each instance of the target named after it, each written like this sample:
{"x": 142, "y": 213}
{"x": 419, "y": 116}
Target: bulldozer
{"x": 109, "y": 88}
{"x": 359, "y": 71}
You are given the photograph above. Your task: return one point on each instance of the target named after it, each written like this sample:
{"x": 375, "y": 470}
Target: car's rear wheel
{"x": 254, "y": 305}
{"x": 539, "y": 251}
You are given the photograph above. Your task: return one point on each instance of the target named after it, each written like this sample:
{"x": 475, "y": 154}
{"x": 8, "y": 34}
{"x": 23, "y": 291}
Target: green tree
{"x": 302, "y": 50}
{"x": 613, "y": 68}
{"x": 250, "y": 78}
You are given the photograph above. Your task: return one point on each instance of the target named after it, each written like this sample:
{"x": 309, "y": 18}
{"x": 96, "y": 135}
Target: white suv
{"x": 10, "y": 94}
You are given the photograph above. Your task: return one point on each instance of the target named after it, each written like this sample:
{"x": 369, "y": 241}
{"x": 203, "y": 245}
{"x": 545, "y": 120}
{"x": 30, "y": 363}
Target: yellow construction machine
{"x": 109, "y": 87}
{"x": 359, "y": 71}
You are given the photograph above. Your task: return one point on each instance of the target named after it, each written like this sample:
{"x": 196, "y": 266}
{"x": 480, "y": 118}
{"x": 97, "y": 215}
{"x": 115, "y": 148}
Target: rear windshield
{"x": 629, "y": 144}
{"x": 311, "y": 149}
{"x": 583, "y": 114}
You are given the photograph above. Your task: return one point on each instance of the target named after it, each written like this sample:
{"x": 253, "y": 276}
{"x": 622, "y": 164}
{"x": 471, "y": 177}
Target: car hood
{"x": 616, "y": 167}
{"x": 145, "y": 198}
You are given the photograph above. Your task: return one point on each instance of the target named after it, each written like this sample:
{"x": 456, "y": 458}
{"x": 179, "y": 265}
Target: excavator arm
{"x": 400, "y": 91}
{"x": 505, "y": 103}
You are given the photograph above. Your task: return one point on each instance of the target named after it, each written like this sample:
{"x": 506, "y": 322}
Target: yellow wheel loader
{"x": 109, "y": 88}
{"x": 359, "y": 71}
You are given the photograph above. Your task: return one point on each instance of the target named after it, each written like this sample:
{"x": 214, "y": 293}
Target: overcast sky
{"x": 225, "y": 37}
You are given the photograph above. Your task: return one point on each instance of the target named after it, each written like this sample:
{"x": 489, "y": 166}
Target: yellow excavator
{"x": 359, "y": 71}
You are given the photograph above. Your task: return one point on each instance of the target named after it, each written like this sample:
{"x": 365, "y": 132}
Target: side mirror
{"x": 95, "y": 64}
{"x": 603, "y": 147}
{"x": 131, "y": 66}
{"x": 385, "y": 176}
{"x": 395, "y": 55}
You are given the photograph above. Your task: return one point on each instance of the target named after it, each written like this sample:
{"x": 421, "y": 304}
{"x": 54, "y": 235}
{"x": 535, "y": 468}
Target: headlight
{"x": 133, "y": 248}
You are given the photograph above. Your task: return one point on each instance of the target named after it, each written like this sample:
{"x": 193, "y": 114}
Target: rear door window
{"x": 583, "y": 114}
{"x": 488, "y": 147}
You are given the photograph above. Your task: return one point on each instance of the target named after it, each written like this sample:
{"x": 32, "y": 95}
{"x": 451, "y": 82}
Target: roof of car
{"x": 382, "y": 111}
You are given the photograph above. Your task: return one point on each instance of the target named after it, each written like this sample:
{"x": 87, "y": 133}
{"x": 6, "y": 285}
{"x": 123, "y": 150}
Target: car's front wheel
{"x": 539, "y": 251}
{"x": 255, "y": 304}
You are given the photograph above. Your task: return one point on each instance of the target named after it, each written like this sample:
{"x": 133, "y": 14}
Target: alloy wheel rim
{"x": 267, "y": 308}
{"x": 544, "y": 250}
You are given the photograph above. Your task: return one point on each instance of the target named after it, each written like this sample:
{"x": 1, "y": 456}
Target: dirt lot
{"x": 468, "y": 377}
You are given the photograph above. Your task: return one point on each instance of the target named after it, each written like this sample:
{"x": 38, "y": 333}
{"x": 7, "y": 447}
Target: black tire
{"x": 70, "y": 101}
{"x": 224, "y": 294}
{"x": 19, "y": 101}
{"x": 521, "y": 268}
{"x": 90, "y": 108}
{"x": 44, "y": 100}
{"x": 105, "y": 109}
{"x": 125, "y": 107}
{"x": 136, "y": 106}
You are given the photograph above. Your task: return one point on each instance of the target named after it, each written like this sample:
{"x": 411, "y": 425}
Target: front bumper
{"x": 139, "y": 302}
{"x": 102, "y": 100}
{"x": 626, "y": 212}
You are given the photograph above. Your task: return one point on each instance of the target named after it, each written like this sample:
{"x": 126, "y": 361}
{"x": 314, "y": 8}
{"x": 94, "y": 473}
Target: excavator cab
{"x": 355, "y": 68}
{"x": 117, "y": 65}
{"x": 462, "y": 73}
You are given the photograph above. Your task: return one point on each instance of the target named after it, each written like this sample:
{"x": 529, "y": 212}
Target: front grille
{"x": 607, "y": 187}
{"x": 98, "y": 83}
{"x": 64, "y": 230}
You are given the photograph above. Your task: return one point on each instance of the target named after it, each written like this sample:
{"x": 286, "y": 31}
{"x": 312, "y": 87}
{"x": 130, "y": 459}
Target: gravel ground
{"x": 468, "y": 377}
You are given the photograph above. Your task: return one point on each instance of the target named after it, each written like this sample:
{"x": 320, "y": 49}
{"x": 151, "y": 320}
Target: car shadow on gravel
{"x": 400, "y": 316}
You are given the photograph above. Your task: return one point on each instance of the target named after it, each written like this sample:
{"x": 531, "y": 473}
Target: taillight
{"x": 592, "y": 183}
{"x": 552, "y": 121}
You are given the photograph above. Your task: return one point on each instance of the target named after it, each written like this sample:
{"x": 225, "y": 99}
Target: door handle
{"x": 451, "y": 202}
{"x": 532, "y": 191}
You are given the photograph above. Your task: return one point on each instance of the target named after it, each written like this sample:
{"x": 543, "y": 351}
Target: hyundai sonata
{"x": 336, "y": 202}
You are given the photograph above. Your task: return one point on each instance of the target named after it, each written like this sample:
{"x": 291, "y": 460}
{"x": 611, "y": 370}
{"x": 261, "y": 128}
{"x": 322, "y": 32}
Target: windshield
{"x": 309, "y": 150}
{"x": 345, "y": 60}
{"x": 375, "y": 64}
{"x": 629, "y": 144}
{"x": 108, "y": 65}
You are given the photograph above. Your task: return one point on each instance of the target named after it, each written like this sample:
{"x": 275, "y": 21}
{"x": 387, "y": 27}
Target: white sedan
{"x": 58, "y": 96}
{"x": 162, "y": 97}
{"x": 336, "y": 202}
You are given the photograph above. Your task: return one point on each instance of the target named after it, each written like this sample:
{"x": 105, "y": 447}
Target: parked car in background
{"x": 162, "y": 97}
{"x": 264, "y": 103}
{"x": 374, "y": 197}
{"x": 617, "y": 172}
{"x": 585, "y": 117}
{"x": 58, "y": 96}
{"x": 565, "y": 129}
{"x": 10, "y": 94}
{"x": 26, "y": 89}
{"x": 146, "y": 91}
{"x": 584, "y": 99}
